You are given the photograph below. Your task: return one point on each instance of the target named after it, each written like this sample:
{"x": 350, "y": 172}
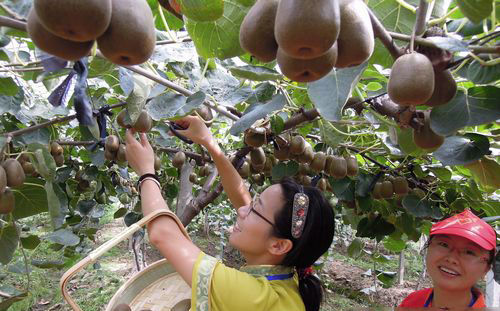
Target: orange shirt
{"x": 423, "y": 298}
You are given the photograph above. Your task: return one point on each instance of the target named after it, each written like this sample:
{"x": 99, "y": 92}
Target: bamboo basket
{"x": 157, "y": 288}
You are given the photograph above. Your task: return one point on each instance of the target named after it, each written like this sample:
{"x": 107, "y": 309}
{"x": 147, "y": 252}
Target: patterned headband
{"x": 300, "y": 208}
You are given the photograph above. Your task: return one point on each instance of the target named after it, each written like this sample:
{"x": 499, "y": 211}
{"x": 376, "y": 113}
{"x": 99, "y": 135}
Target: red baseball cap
{"x": 469, "y": 226}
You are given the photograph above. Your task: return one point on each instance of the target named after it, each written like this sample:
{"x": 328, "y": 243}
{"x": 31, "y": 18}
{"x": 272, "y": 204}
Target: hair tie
{"x": 304, "y": 272}
{"x": 299, "y": 213}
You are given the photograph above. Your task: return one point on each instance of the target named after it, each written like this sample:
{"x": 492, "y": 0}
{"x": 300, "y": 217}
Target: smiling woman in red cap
{"x": 460, "y": 252}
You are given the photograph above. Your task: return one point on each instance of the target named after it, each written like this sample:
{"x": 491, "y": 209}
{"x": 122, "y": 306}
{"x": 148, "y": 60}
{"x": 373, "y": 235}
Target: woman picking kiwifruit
{"x": 281, "y": 232}
{"x": 460, "y": 252}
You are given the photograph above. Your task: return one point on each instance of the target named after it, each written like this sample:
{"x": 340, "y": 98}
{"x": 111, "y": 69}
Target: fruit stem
{"x": 25, "y": 260}
{"x": 420, "y": 21}
{"x": 406, "y": 5}
{"x": 164, "y": 21}
{"x": 443, "y": 18}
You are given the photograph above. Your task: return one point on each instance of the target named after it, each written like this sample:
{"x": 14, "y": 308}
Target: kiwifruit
{"x": 308, "y": 154}
{"x": 56, "y": 149}
{"x": 130, "y": 38}
{"x": 283, "y": 153}
{"x": 244, "y": 170}
{"x": 268, "y": 166}
{"x": 356, "y": 40}
{"x": 7, "y": 201}
{"x": 307, "y": 29}
{"x": 110, "y": 155}
{"x": 14, "y": 172}
{"x": 318, "y": 162}
{"x": 258, "y": 179}
{"x": 202, "y": 10}
{"x": 322, "y": 184}
{"x": 256, "y": 168}
{"x": 204, "y": 171}
{"x": 376, "y": 190}
{"x": 307, "y": 70}
{"x": 306, "y": 180}
{"x": 257, "y": 156}
{"x": 23, "y": 158}
{"x": 445, "y": 88}
{"x": 297, "y": 145}
{"x": 122, "y": 307}
{"x": 120, "y": 119}
{"x": 400, "y": 185}
{"x": 101, "y": 198}
{"x": 205, "y": 113}
{"x": 425, "y": 137}
{"x": 257, "y": 30}
{"x": 112, "y": 143}
{"x": 387, "y": 190}
{"x": 28, "y": 168}
{"x": 121, "y": 154}
{"x": 338, "y": 168}
{"x": 411, "y": 81}
{"x": 193, "y": 178}
{"x": 3, "y": 179}
{"x": 254, "y": 139}
{"x": 304, "y": 169}
{"x": 352, "y": 166}
{"x": 144, "y": 123}
{"x": 328, "y": 163}
{"x": 179, "y": 159}
{"x": 59, "y": 159}
{"x": 157, "y": 163}
{"x": 55, "y": 45}
{"x": 74, "y": 20}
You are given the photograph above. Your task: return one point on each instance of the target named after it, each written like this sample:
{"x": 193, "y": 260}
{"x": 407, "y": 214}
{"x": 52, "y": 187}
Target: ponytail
{"x": 310, "y": 289}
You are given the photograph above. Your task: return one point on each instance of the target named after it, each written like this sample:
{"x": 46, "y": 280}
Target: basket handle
{"x": 98, "y": 252}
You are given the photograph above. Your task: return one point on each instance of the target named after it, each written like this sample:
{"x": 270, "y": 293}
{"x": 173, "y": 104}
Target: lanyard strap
{"x": 472, "y": 300}
{"x": 279, "y": 277}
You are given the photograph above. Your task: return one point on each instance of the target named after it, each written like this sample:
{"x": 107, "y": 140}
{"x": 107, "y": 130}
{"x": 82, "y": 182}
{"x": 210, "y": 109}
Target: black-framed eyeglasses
{"x": 252, "y": 209}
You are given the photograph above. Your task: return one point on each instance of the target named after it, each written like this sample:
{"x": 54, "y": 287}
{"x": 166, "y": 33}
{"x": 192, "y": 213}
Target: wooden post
{"x": 401, "y": 270}
{"x": 492, "y": 291}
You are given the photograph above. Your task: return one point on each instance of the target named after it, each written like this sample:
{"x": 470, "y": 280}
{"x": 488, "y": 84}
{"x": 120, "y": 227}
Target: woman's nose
{"x": 243, "y": 211}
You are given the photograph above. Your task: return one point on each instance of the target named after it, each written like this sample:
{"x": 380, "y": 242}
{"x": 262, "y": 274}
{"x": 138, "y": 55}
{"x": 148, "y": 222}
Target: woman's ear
{"x": 279, "y": 246}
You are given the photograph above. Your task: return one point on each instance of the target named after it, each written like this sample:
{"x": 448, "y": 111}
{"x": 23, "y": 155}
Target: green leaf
{"x": 40, "y": 136}
{"x": 174, "y": 106}
{"x": 202, "y": 10}
{"x": 64, "y": 237}
{"x": 343, "y": 188}
{"x": 5, "y": 304}
{"x": 479, "y": 107}
{"x": 47, "y": 264}
{"x": 486, "y": 172}
{"x": 480, "y": 74}
{"x": 465, "y": 27}
{"x": 11, "y": 104}
{"x": 394, "y": 245}
{"x": 330, "y": 93}
{"x": 31, "y": 199}
{"x": 258, "y": 112}
{"x": 219, "y": 38}
{"x": 255, "y": 73}
{"x": 450, "y": 44}
{"x": 137, "y": 98}
{"x": 363, "y": 183}
{"x": 373, "y": 86}
{"x": 386, "y": 277}
{"x": 458, "y": 150}
{"x": 120, "y": 212}
{"x": 406, "y": 142}
{"x": 277, "y": 124}
{"x": 284, "y": 170}
{"x": 30, "y": 242}
{"x": 355, "y": 248}
{"x": 442, "y": 173}
{"x": 9, "y": 240}
{"x": 43, "y": 161}
{"x": 475, "y": 10}
{"x": 56, "y": 216}
{"x": 421, "y": 208}
{"x": 329, "y": 135}
{"x": 8, "y": 86}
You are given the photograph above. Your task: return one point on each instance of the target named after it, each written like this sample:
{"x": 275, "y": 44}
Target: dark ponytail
{"x": 315, "y": 240}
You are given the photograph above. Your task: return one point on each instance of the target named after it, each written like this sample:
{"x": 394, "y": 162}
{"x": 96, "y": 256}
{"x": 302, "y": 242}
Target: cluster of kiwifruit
{"x": 143, "y": 124}
{"x": 124, "y": 29}
{"x": 386, "y": 189}
{"x": 57, "y": 153}
{"x": 308, "y": 39}
{"x": 424, "y": 137}
{"x": 114, "y": 150}
{"x": 204, "y": 171}
{"x": 11, "y": 176}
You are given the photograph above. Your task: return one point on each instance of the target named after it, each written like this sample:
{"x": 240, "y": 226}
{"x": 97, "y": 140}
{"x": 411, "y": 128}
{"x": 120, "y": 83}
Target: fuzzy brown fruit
{"x": 307, "y": 70}
{"x": 308, "y": 154}
{"x": 257, "y": 30}
{"x": 322, "y": 184}
{"x": 257, "y": 156}
{"x": 352, "y": 166}
{"x": 3, "y": 179}
{"x": 121, "y": 154}
{"x": 28, "y": 168}
{"x": 254, "y": 139}
{"x": 445, "y": 88}
{"x": 120, "y": 119}
{"x": 400, "y": 185}
{"x": 46, "y": 41}
{"x": 179, "y": 159}
{"x": 338, "y": 168}
{"x": 297, "y": 145}
{"x": 59, "y": 159}
{"x": 319, "y": 161}
{"x": 205, "y": 171}
{"x": 282, "y": 154}
{"x": 112, "y": 143}
{"x": 56, "y": 149}
{"x": 157, "y": 163}
{"x": 376, "y": 191}
{"x": 387, "y": 190}
{"x": 411, "y": 81}
{"x": 130, "y": 38}
{"x": 7, "y": 201}
{"x": 110, "y": 155}
{"x": 193, "y": 178}
{"x": 307, "y": 29}
{"x": 144, "y": 123}
{"x": 356, "y": 41}
{"x": 74, "y": 20}
{"x": 15, "y": 173}
{"x": 244, "y": 170}
{"x": 425, "y": 137}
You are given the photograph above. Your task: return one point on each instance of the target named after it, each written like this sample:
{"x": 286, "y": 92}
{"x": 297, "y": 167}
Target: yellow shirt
{"x": 216, "y": 287}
